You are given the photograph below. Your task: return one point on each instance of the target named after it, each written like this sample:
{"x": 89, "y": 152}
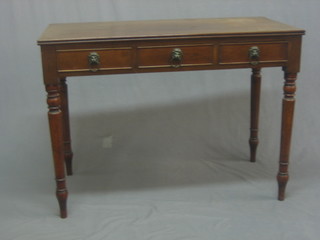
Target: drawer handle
{"x": 254, "y": 55}
{"x": 94, "y": 60}
{"x": 176, "y": 57}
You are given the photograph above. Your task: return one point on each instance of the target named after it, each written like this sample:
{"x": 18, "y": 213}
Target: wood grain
{"x": 130, "y": 30}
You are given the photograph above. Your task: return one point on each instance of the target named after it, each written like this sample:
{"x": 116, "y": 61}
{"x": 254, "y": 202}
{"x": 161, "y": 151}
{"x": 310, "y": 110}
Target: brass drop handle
{"x": 176, "y": 57}
{"x": 254, "y": 55}
{"x": 94, "y": 61}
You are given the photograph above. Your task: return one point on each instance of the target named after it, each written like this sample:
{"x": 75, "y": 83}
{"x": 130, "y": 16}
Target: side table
{"x": 101, "y": 48}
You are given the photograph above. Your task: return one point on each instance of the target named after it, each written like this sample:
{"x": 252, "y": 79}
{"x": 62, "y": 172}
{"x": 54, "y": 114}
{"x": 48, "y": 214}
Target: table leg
{"x": 56, "y": 132}
{"x": 254, "y": 113}
{"x": 288, "y": 102}
{"x": 68, "y": 154}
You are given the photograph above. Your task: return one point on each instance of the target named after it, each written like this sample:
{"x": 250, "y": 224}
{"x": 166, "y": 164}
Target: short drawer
{"x": 238, "y": 53}
{"x": 94, "y": 59}
{"x": 163, "y": 56}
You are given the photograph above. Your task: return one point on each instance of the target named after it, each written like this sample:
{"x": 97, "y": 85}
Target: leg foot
{"x": 68, "y": 160}
{"x": 282, "y": 183}
{"x": 62, "y": 200}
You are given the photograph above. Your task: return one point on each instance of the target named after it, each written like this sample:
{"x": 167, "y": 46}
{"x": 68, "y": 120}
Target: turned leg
{"x": 288, "y": 101}
{"x": 66, "y": 127}
{"x": 56, "y": 131}
{"x": 254, "y": 113}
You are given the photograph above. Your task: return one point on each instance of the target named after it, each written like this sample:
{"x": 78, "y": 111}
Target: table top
{"x": 161, "y": 29}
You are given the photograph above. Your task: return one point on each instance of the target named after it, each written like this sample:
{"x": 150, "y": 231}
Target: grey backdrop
{"x": 178, "y": 167}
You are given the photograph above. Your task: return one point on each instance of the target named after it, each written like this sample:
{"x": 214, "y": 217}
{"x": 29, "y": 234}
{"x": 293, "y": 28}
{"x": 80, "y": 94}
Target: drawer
{"x": 101, "y": 59}
{"x": 168, "y": 56}
{"x": 234, "y": 53}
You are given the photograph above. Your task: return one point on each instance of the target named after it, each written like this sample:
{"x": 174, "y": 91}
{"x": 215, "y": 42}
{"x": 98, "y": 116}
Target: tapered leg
{"x": 288, "y": 102}
{"x": 56, "y": 131}
{"x": 66, "y": 127}
{"x": 254, "y": 118}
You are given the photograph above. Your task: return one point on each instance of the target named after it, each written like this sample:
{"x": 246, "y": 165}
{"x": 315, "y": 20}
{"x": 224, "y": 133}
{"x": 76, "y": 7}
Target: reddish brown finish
{"x": 159, "y": 56}
{"x": 146, "y": 46}
{"x": 56, "y": 131}
{"x": 68, "y": 154}
{"x": 160, "y": 29}
{"x": 288, "y": 102}
{"x": 77, "y": 60}
{"x": 254, "y": 118}
{"x": 154, "y": 56}
{"x": 238, "y": 53}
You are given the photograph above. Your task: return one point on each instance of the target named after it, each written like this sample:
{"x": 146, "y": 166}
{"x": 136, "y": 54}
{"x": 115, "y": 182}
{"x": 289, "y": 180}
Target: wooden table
{"x": 85, "y": 49}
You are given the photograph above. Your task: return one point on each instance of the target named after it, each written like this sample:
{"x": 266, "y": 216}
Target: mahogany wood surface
{"x": 66, "y": 127}
{"x": 254, "y": 118}
{"x": 84, "y": 49}
{"x": 129, "y": 30}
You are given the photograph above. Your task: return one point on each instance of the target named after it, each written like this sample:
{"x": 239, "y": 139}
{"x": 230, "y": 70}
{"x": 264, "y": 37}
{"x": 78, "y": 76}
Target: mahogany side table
{"x": 84, "y": 49}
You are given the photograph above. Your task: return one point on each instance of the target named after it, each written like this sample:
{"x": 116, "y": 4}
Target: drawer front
{"x": 77, "y": 60}
{"x": 161, "y": 56}
{"x": 234, "y": 53}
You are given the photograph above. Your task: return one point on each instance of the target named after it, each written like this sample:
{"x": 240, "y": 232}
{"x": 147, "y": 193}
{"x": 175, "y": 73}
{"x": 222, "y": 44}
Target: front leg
{"x": 56, "y": 132}
{"x": 286, "y": 131}
{"x": 254, "y": 112}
